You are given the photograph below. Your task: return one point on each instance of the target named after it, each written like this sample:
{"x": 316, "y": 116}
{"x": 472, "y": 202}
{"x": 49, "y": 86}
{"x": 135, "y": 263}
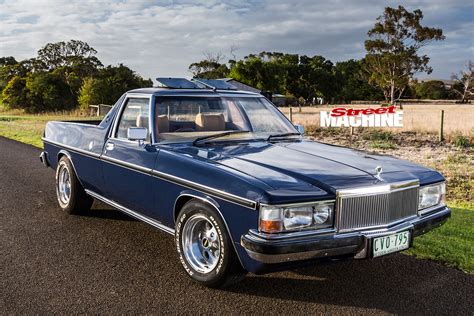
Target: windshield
{"x": 182, "y": 119}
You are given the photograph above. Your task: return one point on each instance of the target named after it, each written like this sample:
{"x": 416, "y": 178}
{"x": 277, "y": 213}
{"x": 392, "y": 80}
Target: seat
{"x": 142, "y": 121}
{"x": 162, "y": 124}
{"x": 210, "y": 122}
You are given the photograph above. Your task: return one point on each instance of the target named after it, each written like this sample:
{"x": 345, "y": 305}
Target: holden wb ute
{"x": 236, "y": 183}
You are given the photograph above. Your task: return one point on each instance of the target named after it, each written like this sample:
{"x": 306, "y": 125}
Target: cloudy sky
{"x": 161, "y": 38}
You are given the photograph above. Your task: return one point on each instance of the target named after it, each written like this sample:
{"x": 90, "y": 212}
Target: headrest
{"x": 142, "y": 121}
{"x": 210, "y": 122}
{"x": 162, "y": 124}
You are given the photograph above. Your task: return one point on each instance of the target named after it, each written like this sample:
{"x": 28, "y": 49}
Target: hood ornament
{"x": 378, "y": 171}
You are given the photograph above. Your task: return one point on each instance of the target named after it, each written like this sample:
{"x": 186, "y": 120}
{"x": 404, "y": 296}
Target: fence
{"x": 100, "y": 109}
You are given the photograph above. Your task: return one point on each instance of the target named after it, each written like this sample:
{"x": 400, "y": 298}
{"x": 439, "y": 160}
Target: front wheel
{"x": 205, "y": 248}
{"x": 70, "y": 194}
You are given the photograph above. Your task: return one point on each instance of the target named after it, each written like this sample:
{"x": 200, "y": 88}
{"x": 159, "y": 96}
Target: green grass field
{"x": 29, "y": 128}
{"x": 452, "y": 244}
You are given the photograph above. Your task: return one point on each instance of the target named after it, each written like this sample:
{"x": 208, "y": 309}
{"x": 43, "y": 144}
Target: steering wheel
{"x": 184, "y": 129}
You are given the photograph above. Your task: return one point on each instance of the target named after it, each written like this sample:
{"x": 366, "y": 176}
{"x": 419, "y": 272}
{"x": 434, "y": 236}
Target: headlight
{"x": 280, "y": 218}
{"x": 431, "y": 195}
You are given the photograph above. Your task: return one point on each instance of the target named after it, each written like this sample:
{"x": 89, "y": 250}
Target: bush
{"x": 378, "y": 135}
{"x": 89, "y": 93}
{"x": 14, "y": 95}
{"x": 382, "y": 145}
{"x": 48, "y": 92}
{"x": 431, "y": 90}
{"x": 461, "y": 141}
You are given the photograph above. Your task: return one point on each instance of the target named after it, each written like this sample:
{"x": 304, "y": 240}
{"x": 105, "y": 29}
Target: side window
{"x": 135, "y": 114}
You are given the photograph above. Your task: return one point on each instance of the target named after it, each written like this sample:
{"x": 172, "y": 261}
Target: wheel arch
{"x": 64, "y": 153}
{"x": 187, "y": 196}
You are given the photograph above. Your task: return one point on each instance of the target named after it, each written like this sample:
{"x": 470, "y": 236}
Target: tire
{"x": 69, "y": 192}
{"x": 212, "y": 261}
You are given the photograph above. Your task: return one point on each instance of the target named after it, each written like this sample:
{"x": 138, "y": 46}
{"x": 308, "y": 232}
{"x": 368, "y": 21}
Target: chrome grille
{"x": 389, "y": 204}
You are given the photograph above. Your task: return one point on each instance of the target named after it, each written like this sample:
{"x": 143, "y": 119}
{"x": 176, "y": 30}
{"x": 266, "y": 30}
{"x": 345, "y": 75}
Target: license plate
{"x": 391, "y": 243}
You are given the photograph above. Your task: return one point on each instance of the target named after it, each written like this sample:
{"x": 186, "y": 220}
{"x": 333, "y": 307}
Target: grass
{"x": 452, "y": 243}
{"x": 29, "y": 128}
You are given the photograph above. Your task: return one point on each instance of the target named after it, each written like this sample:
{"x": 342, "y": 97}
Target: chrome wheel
{"x": 64, "y": 185}
{"x": 201, "y": 243}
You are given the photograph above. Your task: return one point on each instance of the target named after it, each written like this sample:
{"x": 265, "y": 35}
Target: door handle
{"x": 110, "y": 146}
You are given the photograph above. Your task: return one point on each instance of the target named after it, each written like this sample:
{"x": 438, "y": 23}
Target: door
{"x": 127, "y": 163}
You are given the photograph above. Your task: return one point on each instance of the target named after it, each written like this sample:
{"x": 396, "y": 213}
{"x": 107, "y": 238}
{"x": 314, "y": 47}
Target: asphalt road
{"x": 106, "y": 262}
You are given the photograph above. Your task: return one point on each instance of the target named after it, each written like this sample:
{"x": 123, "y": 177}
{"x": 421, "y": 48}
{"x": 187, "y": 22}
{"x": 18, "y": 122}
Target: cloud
{"x": 163, "y": 38}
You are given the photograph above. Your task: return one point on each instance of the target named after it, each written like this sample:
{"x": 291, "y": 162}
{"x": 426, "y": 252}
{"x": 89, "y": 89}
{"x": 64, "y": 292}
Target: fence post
{"x": 291, "y": 114}
{"x": 441, "y": 134}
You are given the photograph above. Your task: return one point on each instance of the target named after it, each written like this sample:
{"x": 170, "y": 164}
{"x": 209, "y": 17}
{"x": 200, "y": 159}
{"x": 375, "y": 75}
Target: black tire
{"x": 228, "y": 269}
{"x": 78, "y": 202}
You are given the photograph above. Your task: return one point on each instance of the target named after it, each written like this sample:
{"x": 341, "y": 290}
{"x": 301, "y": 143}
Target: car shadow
{"x": 103, "y": 211}
{"x": 112, "y": 214}
{"x": 395, "y": 284}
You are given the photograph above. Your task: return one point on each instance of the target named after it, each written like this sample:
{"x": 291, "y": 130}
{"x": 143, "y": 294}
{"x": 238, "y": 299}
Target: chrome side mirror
{"x": 139, "y": 134}
{"x": 300, "y": 128}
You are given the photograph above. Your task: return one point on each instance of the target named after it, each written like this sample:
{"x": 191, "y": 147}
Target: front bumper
{"x": 328, "y": 245}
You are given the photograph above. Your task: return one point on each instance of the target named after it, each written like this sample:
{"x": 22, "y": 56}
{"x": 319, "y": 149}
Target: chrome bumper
{"x": 329, "y": 245}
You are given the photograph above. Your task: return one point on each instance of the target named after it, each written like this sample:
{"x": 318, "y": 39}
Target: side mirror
{"x": 139, "y": 134}
{"x": 300, "y": 128}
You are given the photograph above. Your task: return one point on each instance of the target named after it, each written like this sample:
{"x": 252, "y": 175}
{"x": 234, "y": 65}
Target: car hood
{"x": 304, "y": 165}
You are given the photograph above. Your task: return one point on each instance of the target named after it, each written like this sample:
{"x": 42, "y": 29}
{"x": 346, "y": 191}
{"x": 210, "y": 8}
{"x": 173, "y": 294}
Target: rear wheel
{"x": 70, "y": 194}
{"x": 205, "y": 248}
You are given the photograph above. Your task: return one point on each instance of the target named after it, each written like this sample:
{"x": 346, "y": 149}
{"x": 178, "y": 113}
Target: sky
{"x": 161, "y": 38}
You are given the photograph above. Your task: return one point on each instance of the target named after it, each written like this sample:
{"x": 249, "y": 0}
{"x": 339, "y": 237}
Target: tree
{"x": 464, "y": 82}
{"x": 68, "y": 54}
{"x": 89, "y": 93}
{"x": 392, "y": 49}
{"x": 109, "y": 84}
{"x": 353, "y": 82}
{"x": 432, "y": 89}
{"x": 47, "y": 91}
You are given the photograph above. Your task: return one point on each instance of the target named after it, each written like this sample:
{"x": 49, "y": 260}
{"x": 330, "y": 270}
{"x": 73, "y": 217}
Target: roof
{"x": 192, "y": 92}
{"x": 241, "y": 86}
{"x": 194, "y": 87}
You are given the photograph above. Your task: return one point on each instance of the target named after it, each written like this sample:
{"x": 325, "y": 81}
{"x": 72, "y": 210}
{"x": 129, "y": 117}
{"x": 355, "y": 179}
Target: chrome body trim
{"x": 292, "y": 234}
{"x": 379, "y": 189}
{"x": 299, "y": 204}
{"x": 127, "y": 165}
{"x": 121, "y": 108}
{"x": 73, "y": 149}
{"x": 134, "y": 214}
{"x": 205, "y": 189}
{"x": 44, "y": 159}
{"x": 195, "y": 196}
{"x": 430, "y": 209}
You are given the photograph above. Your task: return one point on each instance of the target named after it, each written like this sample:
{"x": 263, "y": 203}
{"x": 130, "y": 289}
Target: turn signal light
{"x": 271, "y": 226}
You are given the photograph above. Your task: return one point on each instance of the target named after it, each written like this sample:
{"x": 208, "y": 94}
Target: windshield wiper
{"x": 213, "y": 136}
{"x": 282, "y": 135}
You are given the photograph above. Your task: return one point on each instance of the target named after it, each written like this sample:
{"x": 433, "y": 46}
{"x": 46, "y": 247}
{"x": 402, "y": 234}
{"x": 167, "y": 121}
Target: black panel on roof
{"x": 216, "y": 84}
{"x": 177, "y": 83}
